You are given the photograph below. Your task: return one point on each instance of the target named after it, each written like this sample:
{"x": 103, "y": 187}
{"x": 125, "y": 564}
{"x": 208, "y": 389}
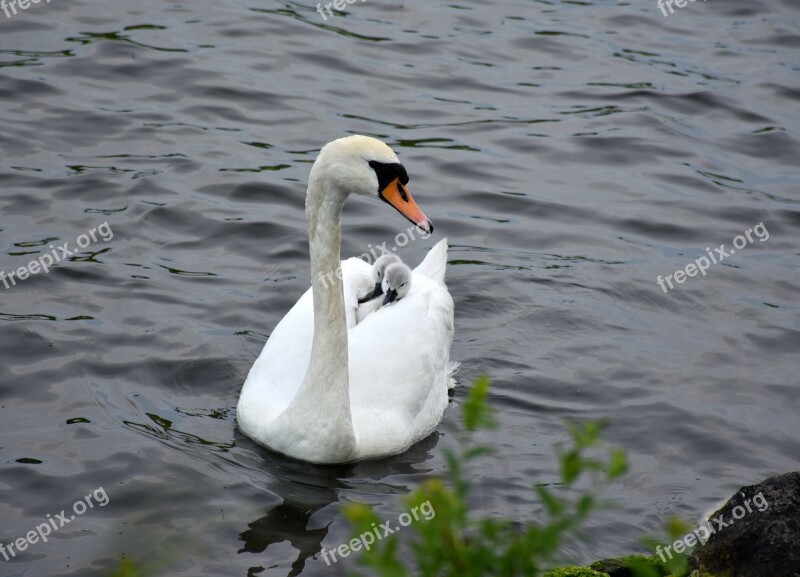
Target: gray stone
{"x": 757, "y": 543}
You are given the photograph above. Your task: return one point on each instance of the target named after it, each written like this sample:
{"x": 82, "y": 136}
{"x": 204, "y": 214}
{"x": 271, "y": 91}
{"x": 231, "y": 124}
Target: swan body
{"x": 325, "y": 388}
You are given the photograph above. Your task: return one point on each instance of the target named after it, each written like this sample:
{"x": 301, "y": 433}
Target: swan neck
{"x": 324, "y": 216}
{"x": 324, "y": 396}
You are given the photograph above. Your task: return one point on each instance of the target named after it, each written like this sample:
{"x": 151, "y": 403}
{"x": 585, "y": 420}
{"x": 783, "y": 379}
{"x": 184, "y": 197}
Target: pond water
{"x": 571, "y": 152}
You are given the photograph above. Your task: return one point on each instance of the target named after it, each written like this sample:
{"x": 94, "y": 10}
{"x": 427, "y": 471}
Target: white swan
{"x": 324, "y": 389}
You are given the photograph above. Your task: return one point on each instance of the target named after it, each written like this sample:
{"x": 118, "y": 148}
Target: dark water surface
{"x": 570, "y": 151}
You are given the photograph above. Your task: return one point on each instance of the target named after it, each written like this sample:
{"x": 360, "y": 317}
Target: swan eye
{"x": 388, "y": 173}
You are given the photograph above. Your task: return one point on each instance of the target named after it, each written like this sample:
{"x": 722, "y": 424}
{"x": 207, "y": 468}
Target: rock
{"x": 632, "y": 566}
{"x": 762, "y": 536}
{"x": 574, "y": 572}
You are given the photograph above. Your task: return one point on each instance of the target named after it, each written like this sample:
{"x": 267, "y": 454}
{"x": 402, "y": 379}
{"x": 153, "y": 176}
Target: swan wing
{"x": 279, "y": 370}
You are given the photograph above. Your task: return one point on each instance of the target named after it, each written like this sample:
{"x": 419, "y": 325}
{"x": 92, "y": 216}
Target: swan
{"x": 327, "y": 390}
{"x": 396, "y": 285}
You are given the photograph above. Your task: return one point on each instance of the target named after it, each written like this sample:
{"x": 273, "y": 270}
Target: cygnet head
{"x": 396, "y": 282}
{"x": 368, "y": 167}
{"x": 379, "y": 269}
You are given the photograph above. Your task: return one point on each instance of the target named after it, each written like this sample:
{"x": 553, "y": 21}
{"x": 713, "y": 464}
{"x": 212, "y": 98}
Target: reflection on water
{"x": 571, "y": 153}
{"x": 303, "y": 517}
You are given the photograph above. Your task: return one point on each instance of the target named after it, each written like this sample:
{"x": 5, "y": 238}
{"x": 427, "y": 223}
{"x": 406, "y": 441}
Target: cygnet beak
{"x": 391, "y": 296}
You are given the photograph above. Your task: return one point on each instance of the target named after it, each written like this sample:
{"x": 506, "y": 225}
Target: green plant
{"x": 674, "y": 562}
{"x": 127, "y": 568}
{"x": 456, "y": 542}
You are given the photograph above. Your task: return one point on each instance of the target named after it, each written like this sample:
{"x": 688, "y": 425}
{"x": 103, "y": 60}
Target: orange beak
{"x": 398, "y": 196}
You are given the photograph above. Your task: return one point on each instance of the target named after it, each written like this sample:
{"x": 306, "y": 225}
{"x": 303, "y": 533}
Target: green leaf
{"x": 477, "y": 412}
{"x": 477, "y": 451}
{"x": 554, "y": 505}
{"x": 618, "y": 465}
{"x": 126, "y": 568}
{"x": 585, "y": 504}
{"x": 570, "y": 467}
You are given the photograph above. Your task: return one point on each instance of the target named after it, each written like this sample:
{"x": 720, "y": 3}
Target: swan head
{"x": 396, "y": 282}
{"x": 368, "y": 167}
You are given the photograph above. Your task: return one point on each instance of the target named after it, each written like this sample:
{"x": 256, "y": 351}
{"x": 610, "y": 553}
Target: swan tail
{"x": 452, "y": 369}
{"x": 435, "y": 262}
